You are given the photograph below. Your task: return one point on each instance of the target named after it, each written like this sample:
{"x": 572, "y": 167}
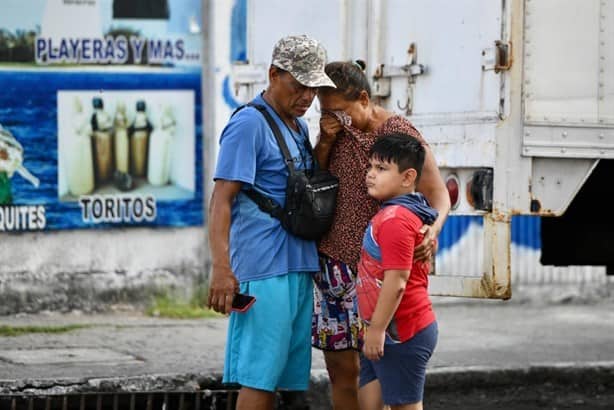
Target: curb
{"x": 449, "y": 378}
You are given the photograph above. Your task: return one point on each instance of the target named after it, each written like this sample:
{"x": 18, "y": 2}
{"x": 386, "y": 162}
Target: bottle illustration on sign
{"x": 122, "y": 145}
{"x": 102, "y": 141}
{"x": 139, "y": 141}
{"x": 160, "y": 149}
{"x": 121, "y": 141}
{"x": 79, "y": 158}
{"x": 11, "y": 161}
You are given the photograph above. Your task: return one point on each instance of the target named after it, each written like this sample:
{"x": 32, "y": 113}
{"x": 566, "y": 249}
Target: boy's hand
{"x": 428, "y": 246}
{"x": 373, "y": 348}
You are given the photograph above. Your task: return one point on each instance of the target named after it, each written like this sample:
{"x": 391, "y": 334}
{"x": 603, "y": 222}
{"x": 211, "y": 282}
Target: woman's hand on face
{"x": 330, "y": 127}
{"x": 428, "y": 246}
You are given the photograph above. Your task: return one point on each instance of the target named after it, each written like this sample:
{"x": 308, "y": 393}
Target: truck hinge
{"x": 498, "y": 57}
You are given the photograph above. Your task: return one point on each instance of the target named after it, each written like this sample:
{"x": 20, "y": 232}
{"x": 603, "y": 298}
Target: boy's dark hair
{"x": 349, "y": 77}
{"x": 401, "y": 149}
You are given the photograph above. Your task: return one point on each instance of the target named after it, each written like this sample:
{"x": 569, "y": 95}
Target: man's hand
{"x": 428, "y": 247}
{"x": 223, "y": 286}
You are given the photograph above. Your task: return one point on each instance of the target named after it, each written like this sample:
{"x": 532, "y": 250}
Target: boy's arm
{"x": 388, "y": 301}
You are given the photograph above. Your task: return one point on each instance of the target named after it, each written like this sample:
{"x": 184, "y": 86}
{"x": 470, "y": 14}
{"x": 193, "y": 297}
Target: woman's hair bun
{"x": 360, "y": 64}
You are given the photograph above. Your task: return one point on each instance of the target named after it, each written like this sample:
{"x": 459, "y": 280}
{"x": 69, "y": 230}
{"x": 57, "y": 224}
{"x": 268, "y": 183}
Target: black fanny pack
{"x": 311, "y": 195}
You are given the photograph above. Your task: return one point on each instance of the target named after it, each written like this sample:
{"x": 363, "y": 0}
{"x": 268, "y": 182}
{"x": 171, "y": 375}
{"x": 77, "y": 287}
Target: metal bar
{"x": 149, "y": 401}
{"x": 197, "y": 401}
{"x": 132, "y": 398}
{"x": 181, "y": 401}
{"x": 14, "y": 404}
{"x": 231, "y": 400}
{"x": 48, "y": 403}
{"x": 98, "y": 402}
{"x": 82, "y": 406}
{"x": 65, "y": 403}
{"x": 115, "y": 402}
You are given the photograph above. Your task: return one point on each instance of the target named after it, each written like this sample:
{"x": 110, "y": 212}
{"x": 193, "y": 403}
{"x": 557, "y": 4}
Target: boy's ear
{"x": 409, "y": 177}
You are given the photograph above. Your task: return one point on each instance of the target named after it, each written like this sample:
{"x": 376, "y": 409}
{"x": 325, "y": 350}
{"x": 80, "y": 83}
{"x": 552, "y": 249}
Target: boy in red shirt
{"x": 392, "y": 286}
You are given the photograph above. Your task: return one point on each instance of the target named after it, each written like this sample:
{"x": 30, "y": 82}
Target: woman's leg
{"x": 343, "y": 370}
{"x": 370, "y": 396}
{"x": 413, "y": 406}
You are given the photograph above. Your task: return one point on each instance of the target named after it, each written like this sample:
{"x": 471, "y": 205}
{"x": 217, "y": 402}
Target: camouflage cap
{"x": 304, "y": 58}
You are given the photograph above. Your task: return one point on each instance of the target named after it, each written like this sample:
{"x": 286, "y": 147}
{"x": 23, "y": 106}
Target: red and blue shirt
{"x": 389, "y": 243}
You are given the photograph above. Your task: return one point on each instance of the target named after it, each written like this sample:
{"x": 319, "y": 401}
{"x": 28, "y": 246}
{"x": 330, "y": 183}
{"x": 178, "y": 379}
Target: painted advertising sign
{"x": 100, "y": 114}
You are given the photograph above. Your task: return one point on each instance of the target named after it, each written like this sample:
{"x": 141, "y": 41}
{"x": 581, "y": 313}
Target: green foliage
{"x": 172, "y": 307}
{"x": 22, "y": 330}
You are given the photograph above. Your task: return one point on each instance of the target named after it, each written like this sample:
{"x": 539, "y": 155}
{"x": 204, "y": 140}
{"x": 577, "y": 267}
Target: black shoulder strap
{"x": 265, "y": 203}
{"x": 277, "y": 133}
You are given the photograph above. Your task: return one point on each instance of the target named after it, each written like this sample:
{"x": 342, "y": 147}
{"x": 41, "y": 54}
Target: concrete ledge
{"x": 449, "y": 378}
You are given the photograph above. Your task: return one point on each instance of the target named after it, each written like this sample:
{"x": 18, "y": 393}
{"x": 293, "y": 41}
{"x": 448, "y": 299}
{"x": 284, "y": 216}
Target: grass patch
{"x": 165, "y": 306}
{"x": 23, "y": 330}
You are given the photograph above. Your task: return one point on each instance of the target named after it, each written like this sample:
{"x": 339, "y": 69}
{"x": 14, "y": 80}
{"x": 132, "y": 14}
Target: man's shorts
{"x": 402, "y": 370}
{"x": 268, "y": 347}
{"x": 336, "y": 325}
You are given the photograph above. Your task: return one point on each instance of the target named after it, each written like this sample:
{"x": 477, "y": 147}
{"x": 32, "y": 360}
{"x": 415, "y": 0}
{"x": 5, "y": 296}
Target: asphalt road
{"x": 491, "y": 354}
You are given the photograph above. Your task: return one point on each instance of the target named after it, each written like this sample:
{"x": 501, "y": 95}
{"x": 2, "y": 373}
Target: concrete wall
{"x": 97, "y": 269}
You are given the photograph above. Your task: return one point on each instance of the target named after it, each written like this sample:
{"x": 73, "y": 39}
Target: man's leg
{"x": 343, "y": 369}
{"x": 252, "y": 399}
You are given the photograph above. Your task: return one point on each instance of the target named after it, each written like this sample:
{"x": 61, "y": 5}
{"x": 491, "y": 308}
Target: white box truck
{"x": 515, "y": 97}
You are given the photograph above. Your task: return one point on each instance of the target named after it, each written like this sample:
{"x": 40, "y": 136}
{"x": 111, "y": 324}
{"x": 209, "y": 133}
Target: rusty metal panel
{"x": 561, "y": 52}
{"x": 556, "y": 182}
{"x": 462, "y": 250}
{"x": 606, "y": 62}
{"x": 491, "y": 276}
{"x": 453, "y": 80}
{"x": 568, "y": 142}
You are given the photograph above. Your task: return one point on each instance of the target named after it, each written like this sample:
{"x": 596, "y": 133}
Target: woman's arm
{"x": 329, "y": 130}
{"x": 432, "y": 186}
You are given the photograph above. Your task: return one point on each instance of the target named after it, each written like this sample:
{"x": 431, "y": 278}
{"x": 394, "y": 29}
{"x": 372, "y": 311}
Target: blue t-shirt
{"x": 259, "y": 246}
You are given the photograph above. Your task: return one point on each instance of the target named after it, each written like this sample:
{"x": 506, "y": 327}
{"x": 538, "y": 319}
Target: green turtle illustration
{"x": 11, "y": 161}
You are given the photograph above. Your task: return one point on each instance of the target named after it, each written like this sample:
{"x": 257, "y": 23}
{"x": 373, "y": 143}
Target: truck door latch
{"x": 497, "y": 58}
{"x": 382, "y": 78}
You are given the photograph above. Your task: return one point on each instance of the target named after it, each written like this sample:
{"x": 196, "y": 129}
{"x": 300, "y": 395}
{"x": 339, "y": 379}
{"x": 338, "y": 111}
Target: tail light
{"x": 480, "y": 190}
{"x": 453, "y": 187}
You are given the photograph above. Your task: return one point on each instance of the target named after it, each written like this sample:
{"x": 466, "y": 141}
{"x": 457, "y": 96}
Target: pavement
{"x": 480, "y": 342}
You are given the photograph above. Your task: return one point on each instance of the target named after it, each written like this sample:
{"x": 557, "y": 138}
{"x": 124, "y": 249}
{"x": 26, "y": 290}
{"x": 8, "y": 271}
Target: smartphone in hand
{"x": 241, "y": 303}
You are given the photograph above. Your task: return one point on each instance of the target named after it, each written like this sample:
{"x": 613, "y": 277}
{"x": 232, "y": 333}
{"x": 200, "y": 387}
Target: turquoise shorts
{"x": 269, "y": 346}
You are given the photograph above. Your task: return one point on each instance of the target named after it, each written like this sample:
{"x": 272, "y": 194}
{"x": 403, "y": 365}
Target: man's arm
{"x": 388, "y": 301}
{"x": 222, "y": 282}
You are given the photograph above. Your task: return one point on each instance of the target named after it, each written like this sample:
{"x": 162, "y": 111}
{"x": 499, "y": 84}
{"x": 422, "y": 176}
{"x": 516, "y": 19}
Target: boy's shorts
{"x": 336, "y": 325}
{"x": 402, "y": 370}
{"x": 268, "y": 347}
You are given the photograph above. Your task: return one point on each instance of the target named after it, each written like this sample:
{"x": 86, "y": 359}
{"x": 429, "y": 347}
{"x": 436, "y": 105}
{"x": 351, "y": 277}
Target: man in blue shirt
{"x": 268, "y": 347}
